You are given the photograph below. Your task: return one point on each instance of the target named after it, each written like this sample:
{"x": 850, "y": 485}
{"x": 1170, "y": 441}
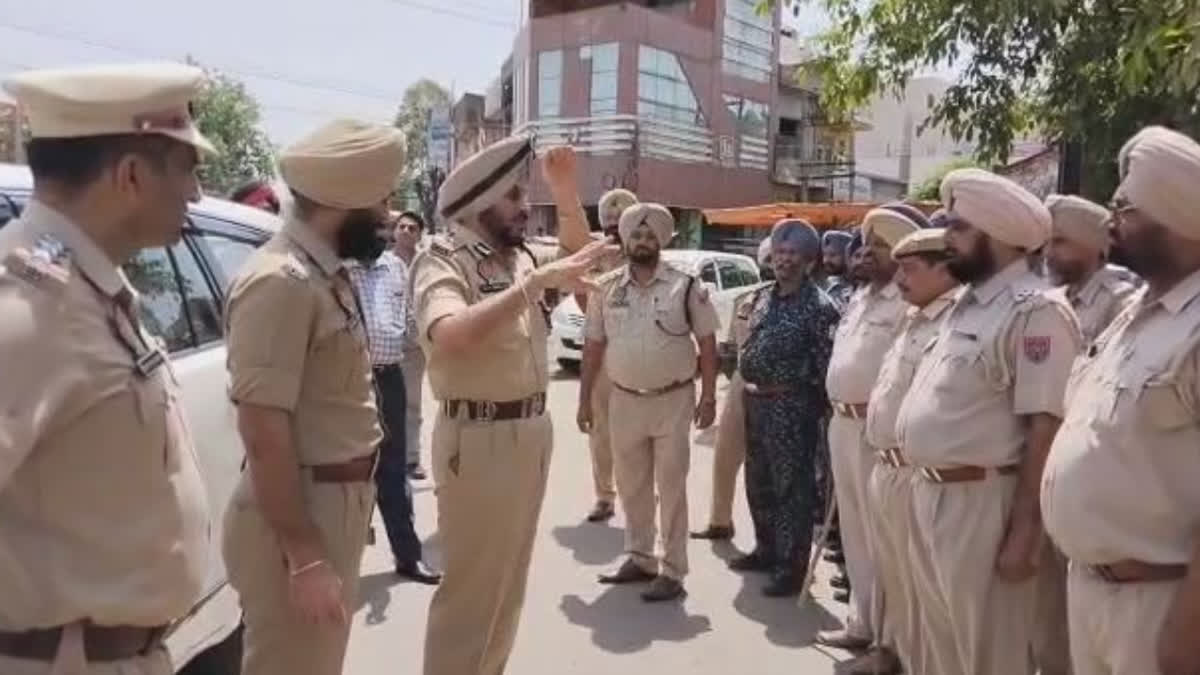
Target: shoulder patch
{"x": 44, "y": 266}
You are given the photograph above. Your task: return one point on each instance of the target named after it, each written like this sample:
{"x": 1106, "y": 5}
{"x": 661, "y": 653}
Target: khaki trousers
{"x": 1052, "y": 639}
{"x": 852, "y": 459}
{"x": 974, "y": 622}
{"x": 652, "y": 451}
{"x": 600, "y": 441}
{"x": 413, "y": 367}
{"x": 491, "y": 480}
{"x": 154, "y": 663}
{"x": 889, "y": 500}
{"x": 1115, "y": 627}
{"x": 277, "y": 641}
{"x": 729, "y": 453}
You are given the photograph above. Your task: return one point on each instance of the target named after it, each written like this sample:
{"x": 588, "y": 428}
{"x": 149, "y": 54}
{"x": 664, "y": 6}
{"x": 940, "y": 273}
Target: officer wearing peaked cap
{"x": 103, "y": 517}
{"x": 977, "y": 422}
{"x": 300, "y": 376}
{"x": 477, "y": 298}
{"x": 1124, "y": 467}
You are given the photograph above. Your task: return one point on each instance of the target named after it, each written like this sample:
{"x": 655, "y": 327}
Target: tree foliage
{"x": 1090, "y": 73}
{"x": 930, "y": 188}
{"x": 228, "y": 116}
{"x": 419, "y": 178}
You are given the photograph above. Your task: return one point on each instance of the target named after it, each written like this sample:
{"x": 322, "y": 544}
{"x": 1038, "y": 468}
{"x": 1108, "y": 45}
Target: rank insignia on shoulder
{"x": 149, "y": 362}
{"x": 440, "y": 248}
{"x": 43, "y": 266}
{"x": 293, "y": 270}
{"x": 481, "y": 250}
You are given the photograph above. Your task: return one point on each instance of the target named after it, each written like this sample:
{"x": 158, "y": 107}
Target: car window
{"x": 708, "y": 274}
{"x": 174, "y": 299}
{"x": 9, "y": 209}
{"x": 226, "y": 254}
{"x": 731, "y": 276}
{"x": 749, "y": 272}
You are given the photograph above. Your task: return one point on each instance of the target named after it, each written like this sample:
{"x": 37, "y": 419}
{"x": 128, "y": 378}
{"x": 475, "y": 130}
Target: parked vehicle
{"x": 182, "y": 291}
{"x": 726, "y": 276}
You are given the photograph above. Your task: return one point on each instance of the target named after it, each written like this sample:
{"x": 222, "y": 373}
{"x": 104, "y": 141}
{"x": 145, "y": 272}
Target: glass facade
{"x": 747, "y": 42}
{"x": 604, "y": 58}
{"x": 664, "y": 92}
{"x": 550, "y": 83}
{"x": 749, "y": 116}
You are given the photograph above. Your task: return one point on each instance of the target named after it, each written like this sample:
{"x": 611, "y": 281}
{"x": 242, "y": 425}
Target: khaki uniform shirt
{"x": 459, "y": 270}
{"x": 1004, "y": 352}
{"x": 1123, "y": 477}
{"x": 296, "y": 342}
{"x": 919, "y": 327}
{"x": 1100, "y": 300}
{"x": 103, "y": 514}
{"x": 868, "y": 327}
{"x": 649, "y": 342}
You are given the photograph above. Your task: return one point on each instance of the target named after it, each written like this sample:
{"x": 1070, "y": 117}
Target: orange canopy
{"x": 822, "y": 215}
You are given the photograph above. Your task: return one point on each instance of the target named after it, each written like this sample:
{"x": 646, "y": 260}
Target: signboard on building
{"x": 438, "y": 138}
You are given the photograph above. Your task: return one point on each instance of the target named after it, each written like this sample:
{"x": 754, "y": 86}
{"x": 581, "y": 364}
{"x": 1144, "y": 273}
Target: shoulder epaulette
{"x": 46, "y": 265}
{"x": 481, "y": 250}
{"x": 443, "y": 245}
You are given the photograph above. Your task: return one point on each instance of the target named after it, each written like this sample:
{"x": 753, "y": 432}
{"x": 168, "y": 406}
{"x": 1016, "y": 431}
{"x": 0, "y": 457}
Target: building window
{"x": 663, "y": 89}
{"x": 604, "y": 60}
{"x": 747, "y": 42}
{"x": 749, "y": 116}
{"x": 550, "y": 68}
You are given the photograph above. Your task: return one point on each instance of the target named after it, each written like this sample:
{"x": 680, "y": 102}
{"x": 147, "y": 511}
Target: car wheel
{"x": 570, "y": 365}
{"x": 224, "y": 658}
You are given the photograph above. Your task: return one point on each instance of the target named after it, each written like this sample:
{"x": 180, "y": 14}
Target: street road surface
{"x": 574, "y": 626}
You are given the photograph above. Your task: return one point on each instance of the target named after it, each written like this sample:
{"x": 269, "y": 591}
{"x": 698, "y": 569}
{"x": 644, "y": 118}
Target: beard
{"x": 643, "y": 256}
{"x": 1148, "y": 255}
{"x": 358, "y": 239}
{"x": 614, "y": 234}
{"x": 835, "y": 269}
{"x": 511, "y": 232}
{"x": 1065, "y": 272}
{"x": 976, "y": 265}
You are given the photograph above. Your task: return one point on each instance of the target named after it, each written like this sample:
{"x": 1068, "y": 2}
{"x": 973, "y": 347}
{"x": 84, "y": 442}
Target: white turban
{"x": 614, "y": 201}
{"x": 1162, "y": 179}
{"x": 764, "y": 252}
{"x": 889, "y": 224}
{"x": 655, "y": 216}
{"x": 999, "y": 207}
{"x": 1080, "y": 221}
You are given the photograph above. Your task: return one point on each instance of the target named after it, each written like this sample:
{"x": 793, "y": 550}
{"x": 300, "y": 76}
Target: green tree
{"x": 229, "y": 116}
{"x": 931, "y": 188}
{"x": 1085, "y": 73}
{"x": 419, "y": 178}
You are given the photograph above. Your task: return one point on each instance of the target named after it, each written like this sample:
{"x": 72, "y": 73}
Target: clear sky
{"x": 306, "y": 61}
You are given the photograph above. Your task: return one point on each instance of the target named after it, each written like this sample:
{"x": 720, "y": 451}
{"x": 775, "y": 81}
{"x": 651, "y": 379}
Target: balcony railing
{"x": 615, "y": 134}
{"x": 802, "y": 164}
{"x": 754, "y": 153}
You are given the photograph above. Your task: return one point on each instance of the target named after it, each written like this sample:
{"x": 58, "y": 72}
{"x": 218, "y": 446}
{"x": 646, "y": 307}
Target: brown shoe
{"x": 628, "y": 573}
{"x": 877, "y": 661}
{"x": 601, "y": 512}
{"x": 843, "y": 640}
{"x": 715, "y": 533}
{"x": 663, "y": 589}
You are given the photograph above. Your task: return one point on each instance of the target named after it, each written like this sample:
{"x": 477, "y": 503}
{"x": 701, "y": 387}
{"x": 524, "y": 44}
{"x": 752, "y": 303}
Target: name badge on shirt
{"x": 619, "y": 297}
{"x": 493, "y": 286}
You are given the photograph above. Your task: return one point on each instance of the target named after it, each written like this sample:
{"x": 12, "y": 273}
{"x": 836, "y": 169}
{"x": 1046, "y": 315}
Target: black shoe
{"x": 754, "y": 561}
{"x": 783, "y": 585}
{"x": 715, "y": 533}
{"x": 419, "y": 572}
{"x": 835, "y": 557}
{"x": 415, "y": 472}
{"x": 628, "y": 573}
{"x": 601, "y": 512}
{"x": 840, "y": 582}
{"x": 842, "y": 597}
{"x": 663, "y": 589}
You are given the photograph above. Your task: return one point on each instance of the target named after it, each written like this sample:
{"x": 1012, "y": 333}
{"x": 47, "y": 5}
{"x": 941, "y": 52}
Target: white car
{"x": 182, "y": 295}
{"x": 726, "y": 276}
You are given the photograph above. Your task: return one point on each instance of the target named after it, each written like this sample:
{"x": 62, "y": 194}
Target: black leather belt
{"x": 101, "y": 644}
{"x": 1136, "y": 571}
{"x": 497, "y": 411}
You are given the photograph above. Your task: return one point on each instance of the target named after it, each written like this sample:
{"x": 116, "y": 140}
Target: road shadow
{"x": 621, "y": 623}
{"x": 789, "y": 622}
{"x": 375, "y": 593}
{"x": 591, "y": 543}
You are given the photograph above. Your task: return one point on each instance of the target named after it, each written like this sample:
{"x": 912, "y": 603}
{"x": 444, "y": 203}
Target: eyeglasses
{"x": 1119, "y": 208}
{"x": 409, "y": 228}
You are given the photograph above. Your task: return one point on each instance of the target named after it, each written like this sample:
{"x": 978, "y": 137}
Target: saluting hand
{"x": 316, "y": 595}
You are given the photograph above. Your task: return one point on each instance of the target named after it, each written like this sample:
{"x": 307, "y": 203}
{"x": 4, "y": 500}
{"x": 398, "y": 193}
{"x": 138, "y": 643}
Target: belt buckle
{"x": 537, "y": 405}
{"x": 931, "y": 474}
{"x": 486, "y": 411}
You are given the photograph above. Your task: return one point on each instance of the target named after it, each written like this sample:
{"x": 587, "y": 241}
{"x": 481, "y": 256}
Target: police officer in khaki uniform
{"x": 729, "y": 451}
{"x": 104, "y": 522}
{"x": 1076, "y": 255}
{"x": 301, "y": 379}
{"x": 867, "y": 329}
{"x": 928, "y": 287}
{"x": 640, "y": 327}
{"x": 1119, "y": 491}
{"x": 610, "y": 207}
{"x": 977, "y": 422}
{"x": 477, "y": 293}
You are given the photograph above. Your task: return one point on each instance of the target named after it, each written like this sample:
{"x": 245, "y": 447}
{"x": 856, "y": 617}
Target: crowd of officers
{"x": 970, "y": 408}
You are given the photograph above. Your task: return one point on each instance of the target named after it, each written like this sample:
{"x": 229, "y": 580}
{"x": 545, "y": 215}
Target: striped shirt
{"x": 382, "y": 289}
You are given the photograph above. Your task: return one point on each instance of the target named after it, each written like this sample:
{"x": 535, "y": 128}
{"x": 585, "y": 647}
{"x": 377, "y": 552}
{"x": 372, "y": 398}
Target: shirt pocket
{"x": 1161, "y": 409}
{"x": 962, "y": 369}
{"x": 338, "y": 353}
